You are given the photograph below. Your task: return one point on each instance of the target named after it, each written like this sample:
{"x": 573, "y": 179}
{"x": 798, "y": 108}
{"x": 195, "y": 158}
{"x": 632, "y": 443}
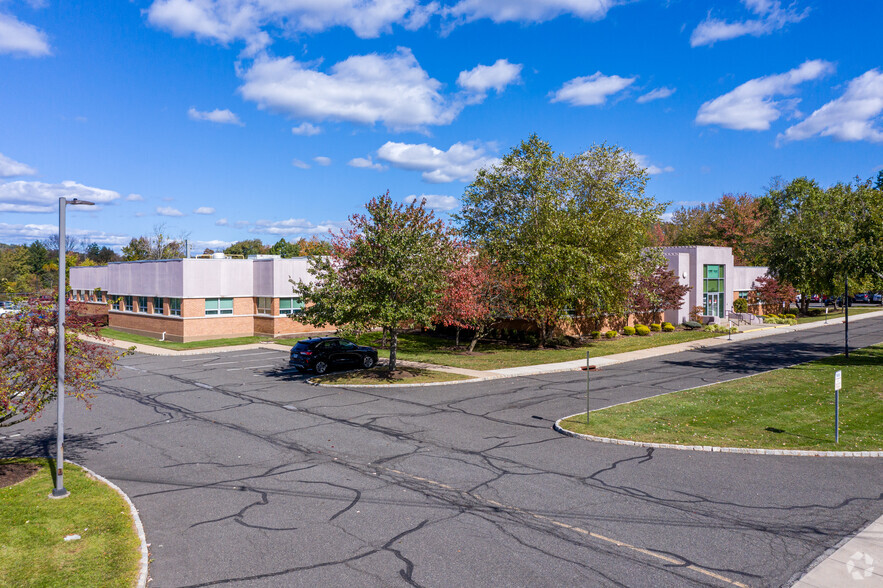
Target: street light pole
{"x": 59, "y": 491}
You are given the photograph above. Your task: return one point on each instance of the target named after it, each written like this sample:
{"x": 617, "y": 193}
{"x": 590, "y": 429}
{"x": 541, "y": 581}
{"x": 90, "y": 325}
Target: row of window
{"x": 213, "y": 306}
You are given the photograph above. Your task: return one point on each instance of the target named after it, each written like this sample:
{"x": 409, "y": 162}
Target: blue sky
{"x": 238, "y": 119}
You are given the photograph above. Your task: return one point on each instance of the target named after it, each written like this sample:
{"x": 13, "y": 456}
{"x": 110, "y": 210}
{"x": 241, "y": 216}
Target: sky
{"x": 225, "y": 120}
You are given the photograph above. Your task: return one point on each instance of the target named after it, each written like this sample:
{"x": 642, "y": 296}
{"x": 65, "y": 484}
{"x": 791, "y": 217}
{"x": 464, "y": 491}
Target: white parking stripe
{"x": 252, "y": 367}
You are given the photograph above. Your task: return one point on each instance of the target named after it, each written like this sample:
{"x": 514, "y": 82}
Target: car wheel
{"x": 321, "y": 367}
{"x": 367, "y": 362}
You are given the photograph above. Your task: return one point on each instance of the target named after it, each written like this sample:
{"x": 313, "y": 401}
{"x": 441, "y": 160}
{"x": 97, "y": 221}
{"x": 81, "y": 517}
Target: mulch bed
{"x": 15, "y": 472}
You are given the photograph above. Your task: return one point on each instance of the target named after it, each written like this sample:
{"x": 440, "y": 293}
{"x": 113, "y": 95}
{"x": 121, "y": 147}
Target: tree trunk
{"x": 383, "y": 339}
{"x": 393, "y": 347}
{"x": 457, "y": 338}
{"x": 475, "y": 338}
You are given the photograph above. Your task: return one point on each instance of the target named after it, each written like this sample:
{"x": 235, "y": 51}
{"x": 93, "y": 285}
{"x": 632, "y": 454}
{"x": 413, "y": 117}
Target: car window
{"x": 347, "y": 345}
{"x": 330, "y": 346}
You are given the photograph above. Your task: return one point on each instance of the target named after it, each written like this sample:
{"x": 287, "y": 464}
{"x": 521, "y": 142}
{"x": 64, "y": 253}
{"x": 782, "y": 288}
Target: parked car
{"x": 321, "y": 354}
{"x": 877, "y": 298}
{"x": 815, "y": 298}
{"x": 863, "y": 298}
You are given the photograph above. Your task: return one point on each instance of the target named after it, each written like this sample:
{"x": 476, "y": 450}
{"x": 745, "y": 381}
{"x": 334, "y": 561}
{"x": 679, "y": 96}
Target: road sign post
{"x": 838, "y": 382}
{"x": 588, "y": 372}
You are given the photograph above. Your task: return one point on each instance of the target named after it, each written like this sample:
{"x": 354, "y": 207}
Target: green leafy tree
{"x": 284, "y": 248}
{"x": 14, "y": 269}
{"x": 571, "y": 228}
{"x": 388, "y": 269}
{"x": 246, "y": 248}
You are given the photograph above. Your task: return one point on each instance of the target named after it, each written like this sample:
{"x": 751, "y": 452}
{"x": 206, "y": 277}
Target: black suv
{"x": 323, "y": 353}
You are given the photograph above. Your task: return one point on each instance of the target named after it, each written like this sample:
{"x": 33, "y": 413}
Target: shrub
{"x": 655, "y": 327}
{"x": 611, "y": 334}
{"x": 695, "y": 313}
{"x": 814, "y": 312}
{"x": 628, "y": 331}
{"x": 790, "y": 316}
{"x": 667, "y": 323}
{"x": 642, "y": 330}
{"x": 595, "y": 334}
{"x": 668, "y": 328}
{"x": 692, "y": 325}
{"x": 740, "y": 305}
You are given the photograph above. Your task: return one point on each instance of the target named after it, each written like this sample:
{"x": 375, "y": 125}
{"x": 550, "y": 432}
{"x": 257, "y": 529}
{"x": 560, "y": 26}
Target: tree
{"x": 774, "y": 294}
{"x": 246, "y": 248}
{"x": 28, "y": 359}
{"x": 158, "y": 245}
{"x": 313, "y": 246}
{"x": 656, "y": 292}
{"x": 477, "y": 294}
{"x": 285, "y": 249}
{"x": 572, "y": 228}
{"x": 386, "y": 270}
{"x": 14, "y": 269}
{"x": 101, "y": 255}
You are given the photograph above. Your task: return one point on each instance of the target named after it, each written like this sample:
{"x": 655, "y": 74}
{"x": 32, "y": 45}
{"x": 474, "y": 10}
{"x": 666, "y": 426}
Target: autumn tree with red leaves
{"x": 656, "y": 292}
{"x": 477, "y": 295}
{"x": 29, "y": 359}
{"x": 388, "y": 269}
{"x": 773, "y": 295}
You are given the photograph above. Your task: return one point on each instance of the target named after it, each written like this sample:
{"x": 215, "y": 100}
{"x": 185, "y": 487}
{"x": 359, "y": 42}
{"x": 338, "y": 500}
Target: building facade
{"x": 716, "y": 280}
{"x": 196, "y": 299}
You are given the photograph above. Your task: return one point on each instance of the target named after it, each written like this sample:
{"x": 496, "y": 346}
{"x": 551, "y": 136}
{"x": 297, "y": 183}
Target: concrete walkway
{"x": 527, "y": 370}
{"x": 858, "y": 562}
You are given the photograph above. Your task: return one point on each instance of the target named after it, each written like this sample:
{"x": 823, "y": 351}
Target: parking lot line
{"x": 251, "y": 367}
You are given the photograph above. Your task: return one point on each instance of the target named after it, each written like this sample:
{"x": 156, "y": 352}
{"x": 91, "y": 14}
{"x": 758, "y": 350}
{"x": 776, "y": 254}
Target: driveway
{"x": 247, "y": 476}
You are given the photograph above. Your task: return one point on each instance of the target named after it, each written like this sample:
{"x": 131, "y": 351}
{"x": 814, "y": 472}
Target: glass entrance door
{"x": 711, "y": 304}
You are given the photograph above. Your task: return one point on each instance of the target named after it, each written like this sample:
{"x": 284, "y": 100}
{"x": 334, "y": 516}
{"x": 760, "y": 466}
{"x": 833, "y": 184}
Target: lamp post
{"x": 59, "y": 491}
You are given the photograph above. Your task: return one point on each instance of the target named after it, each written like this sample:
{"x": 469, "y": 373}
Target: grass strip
{"x": 839, "y": 315}
{"x": 489, "y": 356}
{"x": 380, "y": 375}
{"x": 790, "y": 408}
{"x": 33, "y": 551}
{"x": 141, "y": 339}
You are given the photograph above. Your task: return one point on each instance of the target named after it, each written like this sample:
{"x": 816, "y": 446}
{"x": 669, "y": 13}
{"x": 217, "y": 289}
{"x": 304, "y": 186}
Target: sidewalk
{"x": 529, "y": 370}
{"x": 858, "y": 562}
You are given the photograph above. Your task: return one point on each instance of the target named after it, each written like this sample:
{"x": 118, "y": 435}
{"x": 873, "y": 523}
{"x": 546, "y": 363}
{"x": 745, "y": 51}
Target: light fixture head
{"x": 76, "y": 201}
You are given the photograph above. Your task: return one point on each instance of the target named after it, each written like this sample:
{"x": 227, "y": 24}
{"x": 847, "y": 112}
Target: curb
{"x": 311, "y": 382}
{"x": 709, "y": 448}
{"x": 143, "y": 562}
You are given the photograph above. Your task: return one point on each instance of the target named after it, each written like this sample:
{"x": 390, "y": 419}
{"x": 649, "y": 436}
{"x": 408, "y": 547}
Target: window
{"x": 175, "y": 306}
{"x": 290, "y": 305}
{"x": 265, "y": 305}
{"x": 127, "y": 300}
{"x": 743, "y": 294}
{"x": 157, "y": 305}
{"x": 115, "y": 302}
{"x": 713, "y": 289}
{"x": 215, "y": 306}
{"x": 142, "y": 304}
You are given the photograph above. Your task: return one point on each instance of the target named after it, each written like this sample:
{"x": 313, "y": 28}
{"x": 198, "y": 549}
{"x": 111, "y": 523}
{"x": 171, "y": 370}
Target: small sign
{"x": 838, "y": 380}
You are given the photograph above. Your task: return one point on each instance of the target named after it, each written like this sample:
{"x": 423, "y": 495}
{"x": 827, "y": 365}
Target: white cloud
{"x": 530, "y": 10}
{"x": 666, "y": 217}
{"x": 322, "y": 160}
{"x": 224, "y": 117}
{"x": 851, "y": 117}
{"x": 651, "y": 168}
{"x": 21, "y": 196}
{"x": 168, "y": 211}
{"x": 300, "y": 164}
{"x": 656, "y": 94}
{"x": 365, "y": 162}
{"x": 230, "y": 20}
{"x": 222, "y": 222}
{"x": 771, "y": 17}
{"x": 591, "y": 90}
{"x": 306, "y": 129}
{"x": 134, "y": 197}
{"x": 294, "y": 226}
{"x": 434, "y": 201}
{"x": 482, "y": 78}
{"x": 216, "y": 245}
{"x": 460, "y": 162}
{"x": 366, "y": 89}
{"x": 751, "y": 105}
{"x": 10, "y": 233}
{"x": 10, "y": 167}
{"x": 241, "y": 223}
{"x": 204, "y": 210}
{"x": 19, "y": 38}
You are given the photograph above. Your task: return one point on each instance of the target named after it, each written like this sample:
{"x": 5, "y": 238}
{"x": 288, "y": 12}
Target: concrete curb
{"x": 143, "y": 562}
{"x": 420, "y": 385}
{"x": 711, "y": 448}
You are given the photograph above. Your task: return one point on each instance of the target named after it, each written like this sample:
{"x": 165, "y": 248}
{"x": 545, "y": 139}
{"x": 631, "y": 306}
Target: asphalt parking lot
{"x": 245, "y": 475}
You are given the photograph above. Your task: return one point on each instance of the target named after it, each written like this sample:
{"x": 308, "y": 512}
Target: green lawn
{"x": 120, "y": 335}
{"x": 489, "y": 356}
{"x": 837, "y": 315}
{"x": 32, "y": 530}
{"x": 791, "y": 408}
{"x": 377, "y": 376}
